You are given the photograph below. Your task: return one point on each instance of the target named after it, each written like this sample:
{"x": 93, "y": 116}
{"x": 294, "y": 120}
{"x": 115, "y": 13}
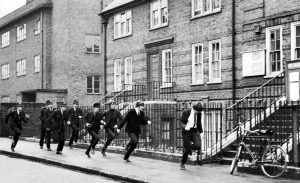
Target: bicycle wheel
{"x": 273, "y": 161}
{"x": 235, "y": 160}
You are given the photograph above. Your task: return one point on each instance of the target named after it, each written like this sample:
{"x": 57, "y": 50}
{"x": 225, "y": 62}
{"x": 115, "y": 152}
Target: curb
{"x": 71, "y": 167}
{"x": 291, "y": 174}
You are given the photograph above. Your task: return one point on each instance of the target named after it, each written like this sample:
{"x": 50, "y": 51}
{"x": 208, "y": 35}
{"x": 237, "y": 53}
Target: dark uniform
{"x": 192, "y": 134}
{"x": 93, "y": 122}
{"x": 59, "y": 118}
{"x": 74, "y": 114}
{"x": 111, "y": 116}
{"x": 48, "y": 126}
{"x": 134, "y": 121}
{"x": 43, "y": 129}
{"x": 16, "y": 118}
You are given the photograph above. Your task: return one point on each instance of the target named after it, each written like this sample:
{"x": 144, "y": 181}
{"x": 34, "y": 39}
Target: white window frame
{"x": 93, "y": 84}
{"x": 21, "y": 67}
{"x": 117, "y": 75}
{"x": 293, "y": 40}
{"x": 5, "y": 39}
{"x": 165, "y": 83}
{"x": 5, "y": 71}
{"x": 163, "y": 5}
{"x": 194, "y": 74}
{"x": 269, "y": 72}
{"x": 21, "y": 32}
{"x": 37, "y": 26}
{"x": 211, "y": 79}
{"x": 92, "y": 43}
{"x": 37, "y": 63}
{"x": 123, "y": 19}
{"x": 199, "y": 5}
{"x": 128, "y": 73}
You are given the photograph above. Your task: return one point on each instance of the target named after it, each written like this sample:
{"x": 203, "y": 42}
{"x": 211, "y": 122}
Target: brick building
{"x": 50, "y": 49}
{"x": 203, "y": 49}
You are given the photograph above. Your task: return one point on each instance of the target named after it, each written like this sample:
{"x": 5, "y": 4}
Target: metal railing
{"x": 154, "y": 90}
{"x": 255, "y": 103}
{"x": 162, "y": 136}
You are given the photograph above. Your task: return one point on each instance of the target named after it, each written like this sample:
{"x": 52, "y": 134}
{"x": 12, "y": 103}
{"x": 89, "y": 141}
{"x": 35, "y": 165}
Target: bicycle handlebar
{"x": 240, "y": 125}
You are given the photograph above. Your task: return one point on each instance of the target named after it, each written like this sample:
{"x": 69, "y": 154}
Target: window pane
{"x": 297, "y": 53}
{"x": 297, "y": 30}
{"x": 298, "y": 41}
{"x": 216, "y": 4}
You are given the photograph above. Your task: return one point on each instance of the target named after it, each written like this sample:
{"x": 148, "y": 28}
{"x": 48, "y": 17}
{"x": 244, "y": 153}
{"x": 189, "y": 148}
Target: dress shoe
{"x": 58, "y": 152}
{"x": 88, "y": 155}
{"x": 103, "y": 153}
{"x": 48, "y": 149}
{"x": 127, "y": 160}
{"x": 71, "y": 146}
{"x": 93, "y": 151}
{"x": 182, "y": 166}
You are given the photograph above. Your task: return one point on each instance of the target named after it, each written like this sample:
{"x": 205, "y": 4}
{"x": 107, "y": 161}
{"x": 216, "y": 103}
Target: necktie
{"x": 195, "y": 120}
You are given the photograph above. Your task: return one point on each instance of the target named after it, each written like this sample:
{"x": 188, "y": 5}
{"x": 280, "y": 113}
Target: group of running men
{"x": 54, "y": 121}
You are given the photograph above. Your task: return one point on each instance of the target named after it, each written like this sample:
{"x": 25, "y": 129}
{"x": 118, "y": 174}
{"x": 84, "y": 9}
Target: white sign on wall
{"x": 254, "y": 63}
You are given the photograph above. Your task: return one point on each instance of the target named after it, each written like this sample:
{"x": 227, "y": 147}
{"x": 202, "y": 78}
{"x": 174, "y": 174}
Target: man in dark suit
{"x": 134, "y": 119}
{"x": 16, "y": 117}
{"x": 112, "y": 117}
{"x": 48, "y": 124}
{"x": 191, "y": 130}
{"x": 74, "y": 114}
{"x": 93, "y": 121}
{"x": 43, "y": 119}
{"x": 59, "y": 117}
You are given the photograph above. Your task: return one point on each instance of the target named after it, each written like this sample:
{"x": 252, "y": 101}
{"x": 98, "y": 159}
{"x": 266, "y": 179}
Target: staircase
{"x": 261, "y": 109}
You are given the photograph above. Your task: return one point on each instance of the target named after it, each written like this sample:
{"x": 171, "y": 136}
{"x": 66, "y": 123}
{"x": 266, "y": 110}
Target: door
{"x": 153, "y": 75}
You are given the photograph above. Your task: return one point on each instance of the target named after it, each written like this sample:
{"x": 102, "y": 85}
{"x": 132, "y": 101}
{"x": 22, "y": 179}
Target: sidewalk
{"x": 139, "y": 170}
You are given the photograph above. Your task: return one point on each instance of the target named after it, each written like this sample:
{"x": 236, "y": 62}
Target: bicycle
{"x": 273, "y": 161}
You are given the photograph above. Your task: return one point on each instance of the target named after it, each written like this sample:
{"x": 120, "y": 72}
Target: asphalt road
{"x": 14, "y": 170}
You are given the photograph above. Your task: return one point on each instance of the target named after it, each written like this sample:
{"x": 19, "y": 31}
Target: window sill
{"x": 21, "y": 75}
{"x": 37, "y": 72}
{"x": 35, "y": 34}
{"x": 93, "y": 93}
{"x": 5, "y": 46}
{"x": 214, "y": 82}
{"x": 197, "y": 84}
{"x": 21, "y": 40}
{"x": 120, "y": 37}
{"x": 4, "y": 78}
{"x": 272, "y": 75}
{"x": 206, "y": 14}
{"x": 158, "y": 27}
{"x": 96, "y": 53}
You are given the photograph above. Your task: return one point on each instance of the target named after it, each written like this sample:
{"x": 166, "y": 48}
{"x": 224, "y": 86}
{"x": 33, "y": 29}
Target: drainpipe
{"x": 233, "y": 53}
{"x": 104, "y": 23}
{"x": 42, "y": 54}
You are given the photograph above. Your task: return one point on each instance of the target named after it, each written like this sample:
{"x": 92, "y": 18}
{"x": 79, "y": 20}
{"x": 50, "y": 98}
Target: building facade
{"x": 210, "y": 50}
{"x": 50, "y": 49}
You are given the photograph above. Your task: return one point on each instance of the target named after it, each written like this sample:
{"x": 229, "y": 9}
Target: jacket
{"x": 73, "y": 115}
{"x": 48, "y": 119}
{"x": 134, "y": 121}
{"x": 58, "y": 120}
{"x": 93, "y": 120}
{"x": 112, "y": 116}
{"x": 184, "y": 119}
{"x": 16, "y": 119}
{"x": 43, "y": 117}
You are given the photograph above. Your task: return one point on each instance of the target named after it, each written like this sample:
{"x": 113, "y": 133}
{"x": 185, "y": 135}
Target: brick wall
{"x": 185, "y": 31}
{"x": 25, "y": 49}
